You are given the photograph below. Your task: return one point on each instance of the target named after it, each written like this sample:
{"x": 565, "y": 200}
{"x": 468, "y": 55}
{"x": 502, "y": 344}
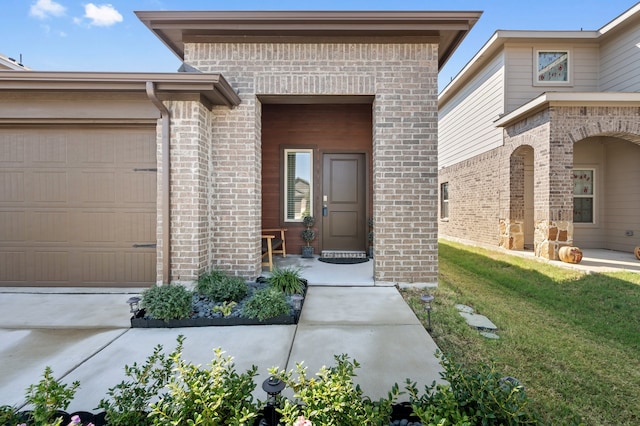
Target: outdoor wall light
{"x": 273, "y": 387}
{"x": 134, "y": 305}
{"x": 426, "y": 300}
{"x": 297, "y": 304}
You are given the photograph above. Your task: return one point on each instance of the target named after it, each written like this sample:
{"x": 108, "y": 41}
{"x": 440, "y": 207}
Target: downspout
{"x": 165, "y": 183}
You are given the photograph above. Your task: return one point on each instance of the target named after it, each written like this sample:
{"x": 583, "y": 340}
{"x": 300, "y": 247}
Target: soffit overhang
{"x": 569, "y": 99}
{"x": 446, "y": 28}
{"x": 212, "y": 89}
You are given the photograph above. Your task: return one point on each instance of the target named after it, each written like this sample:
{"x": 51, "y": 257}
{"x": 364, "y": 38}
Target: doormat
{"x": 343, "y": 260}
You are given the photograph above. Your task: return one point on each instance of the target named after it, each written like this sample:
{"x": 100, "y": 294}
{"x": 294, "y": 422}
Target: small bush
{"x": 130, "y": 401}
{"x": 215, "y": 396}
{"x": 472, "y": 397}
{"x": 330, "y": 397}
{"x": 48, "y": 397}
{"x": 287, "y": 280}
{"x": 266, "y": 303}
{"x": 9, "y": 415}
{"x": 167, "y": 302}
{"x": 221, "y": 288}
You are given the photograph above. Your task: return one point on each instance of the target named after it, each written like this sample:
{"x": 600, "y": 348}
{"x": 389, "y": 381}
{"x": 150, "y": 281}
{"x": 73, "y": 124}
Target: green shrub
{"x": 215, "y": 396}
{"x": 266, "y": 303}
{"x": 472, "y": 397}
{"x": 48, "y": 397}
{"x": 9, "y": 415}
{"x": 287, "y": 280}
{"x": 130, "y": 401}
{"x": 167, "y": 302}
{"x": 222, "y": 288}
{"x": 331, "y": 398}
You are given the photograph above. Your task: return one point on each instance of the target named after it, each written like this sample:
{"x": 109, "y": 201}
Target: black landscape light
{"x": 297, "y": 304}
{"x": 273, "y": 387}
{"x": 134, "y": 304}
{"x": 427, "y": 299}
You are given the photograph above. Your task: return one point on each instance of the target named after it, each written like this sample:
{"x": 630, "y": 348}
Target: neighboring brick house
{"x": 344, "y": 101}
{"x": 538, "y": 141}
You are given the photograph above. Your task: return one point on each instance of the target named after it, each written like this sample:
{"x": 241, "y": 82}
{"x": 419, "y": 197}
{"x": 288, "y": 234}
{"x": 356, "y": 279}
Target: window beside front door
{"x": 298, "y": 184}
{"x": 583, "y": 195}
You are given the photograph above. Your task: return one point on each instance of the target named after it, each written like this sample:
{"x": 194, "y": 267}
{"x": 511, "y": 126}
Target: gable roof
{"x": 7, "y": 63}
{"x": 501, "y": 37}
{"x": 175, "y": 28}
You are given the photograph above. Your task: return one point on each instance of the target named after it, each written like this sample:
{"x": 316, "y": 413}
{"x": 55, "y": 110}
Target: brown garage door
{"x": 77, "y": 207}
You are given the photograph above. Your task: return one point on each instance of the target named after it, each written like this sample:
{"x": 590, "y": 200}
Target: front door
{"x": 344, "y": 202}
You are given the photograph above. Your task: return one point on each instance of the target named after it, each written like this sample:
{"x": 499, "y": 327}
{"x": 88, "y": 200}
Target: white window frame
{"x": 444, "y": 203}
{"x": 297, "y": 217}
{"x": 536, "y": 57}
{"x": 593, "y": 196}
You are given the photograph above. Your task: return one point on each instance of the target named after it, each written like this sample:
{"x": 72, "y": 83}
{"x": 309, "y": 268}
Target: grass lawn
{"x": 572, "y": 339}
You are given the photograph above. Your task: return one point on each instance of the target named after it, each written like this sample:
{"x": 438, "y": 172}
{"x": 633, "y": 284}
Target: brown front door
{"x": 343, "y": 202}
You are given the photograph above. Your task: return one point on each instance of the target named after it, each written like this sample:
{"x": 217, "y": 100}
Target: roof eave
{"x": 213, "y": 87}
{"x": 174, "y": 28}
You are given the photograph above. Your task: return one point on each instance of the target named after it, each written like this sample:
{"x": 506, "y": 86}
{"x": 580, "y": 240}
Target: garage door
{"x": 77, "y": 207}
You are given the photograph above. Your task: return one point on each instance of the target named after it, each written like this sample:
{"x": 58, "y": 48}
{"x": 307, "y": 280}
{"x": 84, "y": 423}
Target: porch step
{"x": 343, "y": 253}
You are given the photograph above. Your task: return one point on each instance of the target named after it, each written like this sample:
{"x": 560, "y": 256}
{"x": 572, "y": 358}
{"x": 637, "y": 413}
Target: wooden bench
{"x": 273, "y": 242}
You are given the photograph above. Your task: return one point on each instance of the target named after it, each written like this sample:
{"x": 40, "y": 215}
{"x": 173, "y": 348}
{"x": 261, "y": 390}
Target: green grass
{"x": 572, "y": 339}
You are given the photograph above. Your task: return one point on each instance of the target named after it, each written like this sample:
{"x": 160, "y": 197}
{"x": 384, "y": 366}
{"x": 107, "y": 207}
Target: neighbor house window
{"x": 298, "y": 184}
{"x": 444, "y": 200}
{"x": 583, "y": 195}
{"x": 552, "y": 67}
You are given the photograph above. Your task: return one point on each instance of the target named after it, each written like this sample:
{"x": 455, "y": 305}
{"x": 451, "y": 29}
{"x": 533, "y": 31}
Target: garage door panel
{"x": 12, "y": 186}
{"x": 140, "y": 187}
{"x": 49, "y": 187}
{"x": 72, "y": 207}
{"x": 51, "y": 266}
{"x": 13, "y": 267}
{"x": 13, "y": 225}
{"x": 49, "y": 226}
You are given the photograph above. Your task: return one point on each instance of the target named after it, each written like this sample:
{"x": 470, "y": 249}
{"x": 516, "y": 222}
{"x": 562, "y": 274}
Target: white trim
{"x": 286, "y": 179}
{"x": 553, "y": 83}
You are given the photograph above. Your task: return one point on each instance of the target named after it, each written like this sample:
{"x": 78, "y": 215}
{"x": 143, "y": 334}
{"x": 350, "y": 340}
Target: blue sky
{"x": 77, "y": 35}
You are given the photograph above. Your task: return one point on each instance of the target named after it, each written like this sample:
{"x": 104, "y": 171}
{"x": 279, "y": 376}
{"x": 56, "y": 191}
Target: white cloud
{"x": 103, "y": 15}
{"x": 43, "y": 9}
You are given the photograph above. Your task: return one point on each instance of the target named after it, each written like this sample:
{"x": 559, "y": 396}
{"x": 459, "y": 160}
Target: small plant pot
{"x": 307, "y": 251}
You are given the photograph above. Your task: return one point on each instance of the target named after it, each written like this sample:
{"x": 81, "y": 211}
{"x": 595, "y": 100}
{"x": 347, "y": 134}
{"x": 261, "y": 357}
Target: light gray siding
{"x": 620, "y": 62}
{"x": 466, "y": 126}
{"x": 519, "y": 87}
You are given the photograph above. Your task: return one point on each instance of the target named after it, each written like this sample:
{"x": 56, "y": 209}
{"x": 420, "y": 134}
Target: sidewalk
{"x": 86, "y": 337}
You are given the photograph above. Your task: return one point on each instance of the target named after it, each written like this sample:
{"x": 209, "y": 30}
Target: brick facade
{"x": 486, "y": 195}
{"x": 216, "y": 155}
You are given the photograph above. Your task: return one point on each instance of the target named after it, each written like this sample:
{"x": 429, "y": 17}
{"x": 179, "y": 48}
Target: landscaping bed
{"x": 221, "y": 300}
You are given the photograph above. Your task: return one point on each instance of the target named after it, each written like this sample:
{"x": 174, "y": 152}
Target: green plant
{"x": 225, "y": 309}
{"x": 215, "y": 396}
{"x": 266, "y": 303}
{"x": 130, "y": 401}
{"x": 287, "y": 280}
{"x": 332, "y": 398}
{"x": 49, "y": 396}
{"x": 167, "y": 302}
{"x": 219, "y": 287}
{"x": 472, "y": 397}
{"x": 308, "y": 234}
{"x": 9, "y": 415}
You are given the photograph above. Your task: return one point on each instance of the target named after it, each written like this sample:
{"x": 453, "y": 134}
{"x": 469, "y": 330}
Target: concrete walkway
{"x": 86, "y": 337}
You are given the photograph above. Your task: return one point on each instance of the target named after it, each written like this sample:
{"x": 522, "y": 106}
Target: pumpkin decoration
{"x": 570, "y": 254}
{"x": 636, "y": 251}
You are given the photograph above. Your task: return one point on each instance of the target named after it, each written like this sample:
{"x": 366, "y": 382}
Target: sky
{"x": 76, "y": 35}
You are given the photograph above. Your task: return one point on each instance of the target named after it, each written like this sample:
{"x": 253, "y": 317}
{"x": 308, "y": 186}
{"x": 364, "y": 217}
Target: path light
{"x": 427, "y": 299}
{"x": 273, "y": 386}
{"x": 297, "y": 304}
{"x": 134, "y": 304}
